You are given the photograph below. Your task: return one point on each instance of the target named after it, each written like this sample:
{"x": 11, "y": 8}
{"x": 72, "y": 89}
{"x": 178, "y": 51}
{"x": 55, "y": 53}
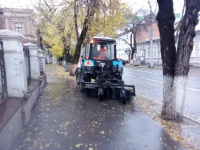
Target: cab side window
{"x": 87, "y": 50}
{"x": 94, "y": 50}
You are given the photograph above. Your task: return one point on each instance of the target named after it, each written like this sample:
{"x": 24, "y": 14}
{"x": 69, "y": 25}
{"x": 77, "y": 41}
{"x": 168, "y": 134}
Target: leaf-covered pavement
{"x": 63, "y": 118}
{"x": 186, "y": 132}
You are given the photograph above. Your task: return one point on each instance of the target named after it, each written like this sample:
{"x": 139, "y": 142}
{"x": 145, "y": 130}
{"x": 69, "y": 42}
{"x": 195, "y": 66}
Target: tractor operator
{"x": 101, "y": 53}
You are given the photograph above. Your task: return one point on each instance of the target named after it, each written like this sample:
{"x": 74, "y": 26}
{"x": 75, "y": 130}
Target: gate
{"x": 3, "y": 84}
{"x": 27, "y": 62}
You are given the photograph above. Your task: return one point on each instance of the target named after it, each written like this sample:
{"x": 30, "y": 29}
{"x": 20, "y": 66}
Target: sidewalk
{"x": 186, "y": 132}
{"x": 64, "y": 118}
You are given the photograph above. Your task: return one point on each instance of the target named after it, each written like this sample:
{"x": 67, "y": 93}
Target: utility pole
{"x": 151, "y": 43}
{"x": 151, "y": 33}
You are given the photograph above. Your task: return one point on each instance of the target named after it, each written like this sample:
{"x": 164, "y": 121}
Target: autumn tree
{"x": 109, "y": 17}
{"x": 54, "y": 39}
{"x": 57, "y": 26}
{"x": 90, "y": 7}
{"x": 175, "y": 62}
{"x": 76, "y": 21}
{"x": 102, "y": 18}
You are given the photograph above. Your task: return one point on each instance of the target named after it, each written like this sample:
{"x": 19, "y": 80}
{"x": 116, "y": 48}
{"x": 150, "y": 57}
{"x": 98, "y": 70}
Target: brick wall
{"x": 2, "y": 21}
{"x": 143, "y": 34}
{"x": 19, "y": 20}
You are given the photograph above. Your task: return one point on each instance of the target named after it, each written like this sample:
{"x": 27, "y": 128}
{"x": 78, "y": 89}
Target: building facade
{"x": 144, "y": 54}
{"x": 19, "y": 20}
{"x": 195, "y": 56}
{"x": 123, "y": 46}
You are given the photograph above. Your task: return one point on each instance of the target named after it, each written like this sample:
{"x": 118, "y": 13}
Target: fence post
{"x": 34, "y": 60}
{"x": 3, "y": 84}
{"x": 41, "y": 61}
{"x": 14, "y": 63}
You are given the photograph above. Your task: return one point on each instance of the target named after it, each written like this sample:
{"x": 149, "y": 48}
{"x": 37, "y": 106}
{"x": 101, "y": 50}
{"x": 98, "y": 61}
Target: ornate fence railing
{"x": 27, "y": 62}
{"x": 3, "y": 84}
{"x": 41, "y": 66}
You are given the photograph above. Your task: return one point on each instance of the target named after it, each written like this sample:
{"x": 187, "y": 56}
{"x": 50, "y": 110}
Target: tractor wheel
{"x": 110, "y": 93}
{"x": 129, "y": 96}
{"x": 81, "y": 79}
{"x": 78, "y": 79}
{"x": 82, "y": 89}
{"x": 94, "y": 92}
{"x": 124, "y": 100}
{"x": 123, "y": 95}
{"x": 100, "y": 97}
{"x": 87, "y": 78}
{"x": 101, "y": 94}
{"x": 89, "y": 92}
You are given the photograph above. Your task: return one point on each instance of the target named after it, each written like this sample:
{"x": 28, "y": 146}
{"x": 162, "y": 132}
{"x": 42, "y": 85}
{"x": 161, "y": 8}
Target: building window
{"x": 149, "y": 52}
{"x": 155, "y": 52}
{"x": 18, "y": 28}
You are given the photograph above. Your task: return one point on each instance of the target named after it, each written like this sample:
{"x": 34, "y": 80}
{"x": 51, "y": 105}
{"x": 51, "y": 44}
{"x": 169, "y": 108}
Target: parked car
{"x": 124, "y": 62}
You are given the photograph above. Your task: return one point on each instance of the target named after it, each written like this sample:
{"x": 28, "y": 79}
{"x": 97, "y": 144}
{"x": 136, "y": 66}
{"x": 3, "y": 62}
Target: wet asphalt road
{"x": 64, "y": 118}
{"x": 149, "y": 82}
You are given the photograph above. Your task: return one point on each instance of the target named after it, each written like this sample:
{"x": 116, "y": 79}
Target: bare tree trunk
{"x": 66, "y": 52}
{"x": 135, "y": 44}
{"x": 176, "y": 64}
{"x": 68, "y": 46}
{"x": 90, "y": 14}
{"x": 131, "y": 45}
{"x": 75, "y": 19}
{"x": 166, "y": 20}
{"x": 40, "y": 39}
{"x": 184, "y": 49}
{"x": 64, "y": 41}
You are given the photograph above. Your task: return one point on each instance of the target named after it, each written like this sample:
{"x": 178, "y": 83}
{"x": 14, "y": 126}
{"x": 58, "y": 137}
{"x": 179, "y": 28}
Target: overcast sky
{"x": 16, "y": 3}
{"x": 132, "y": 3}
{"x": 135, "y": 3}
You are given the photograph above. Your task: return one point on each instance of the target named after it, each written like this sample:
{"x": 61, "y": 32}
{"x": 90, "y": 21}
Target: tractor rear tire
{"x": 101, "y": 97}
{"x": 78, "y": 79}
{"x": 124, "y": 100}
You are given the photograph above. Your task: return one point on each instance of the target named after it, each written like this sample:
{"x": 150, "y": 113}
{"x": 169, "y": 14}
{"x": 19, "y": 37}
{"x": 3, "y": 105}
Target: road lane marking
{"x": 129, "y": 75}
{"x": 192, "y": 78}
{"x": 192, "y": 89}
{"x": 144, "y": 71}
{"x": 151, "y": 80}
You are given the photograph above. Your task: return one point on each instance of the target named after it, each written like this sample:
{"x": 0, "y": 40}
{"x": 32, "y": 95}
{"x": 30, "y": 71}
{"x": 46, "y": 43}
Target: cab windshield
{"x": 103, "y": 51}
